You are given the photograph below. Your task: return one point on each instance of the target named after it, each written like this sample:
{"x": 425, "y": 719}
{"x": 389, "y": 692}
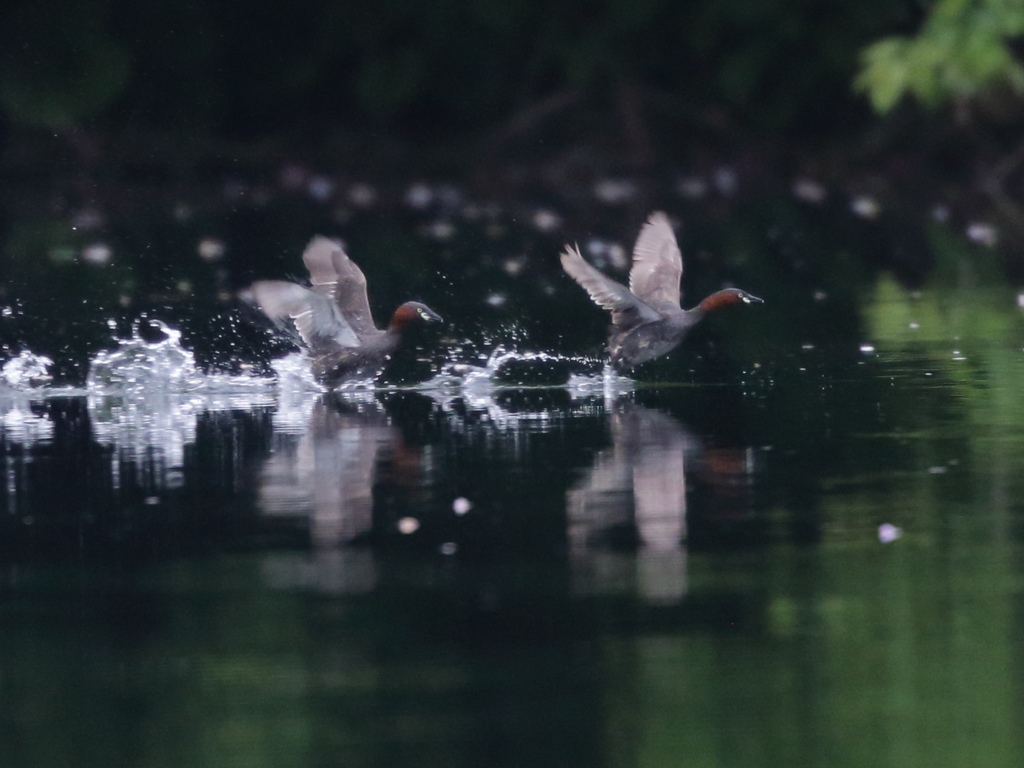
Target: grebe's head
{"x": 730, "y": 297}
{"x": 410, "y": 313}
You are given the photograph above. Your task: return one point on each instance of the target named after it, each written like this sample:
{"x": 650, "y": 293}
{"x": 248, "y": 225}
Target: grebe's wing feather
{"x": 627, "y": 310}
{"x": 317, "y": 319}
{"x": 337, "y": 277}
{"x": 657, "y": 264}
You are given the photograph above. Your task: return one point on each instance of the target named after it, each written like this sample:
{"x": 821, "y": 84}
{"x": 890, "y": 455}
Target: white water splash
{"x": 145, "y": 400}
{"x": 608, "y": 383}
{"x": 476, "y": 380}
{"x": 293, "y": 372}
{"x": 26, "y": 370}
{"x": 140, "y": 365}
{"x": 477, "y": 387}
{"x": 481, "y": 381}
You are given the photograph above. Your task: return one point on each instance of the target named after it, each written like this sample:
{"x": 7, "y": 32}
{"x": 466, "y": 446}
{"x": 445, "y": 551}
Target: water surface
{"x": 795, "y": 541}
{"x": 819, "y": 567}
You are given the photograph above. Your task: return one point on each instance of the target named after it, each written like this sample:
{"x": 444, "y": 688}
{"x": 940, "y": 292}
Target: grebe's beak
{"x": 428, "y": 315}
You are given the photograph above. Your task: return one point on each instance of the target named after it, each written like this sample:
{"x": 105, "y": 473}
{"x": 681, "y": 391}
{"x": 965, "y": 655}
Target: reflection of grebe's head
{"x": 410, "y": 313}
{"x": 730, "y": 297}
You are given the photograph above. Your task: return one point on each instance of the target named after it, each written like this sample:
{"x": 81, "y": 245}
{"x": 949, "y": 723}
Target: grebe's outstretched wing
{"x": 657, "y": 264}
{"x": 337, "y": 277}
{"x": 320, "y": 325}
{"x": 627, "y": 310}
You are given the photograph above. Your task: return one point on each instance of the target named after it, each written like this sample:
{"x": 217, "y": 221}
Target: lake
{"x": 795, "y": 541}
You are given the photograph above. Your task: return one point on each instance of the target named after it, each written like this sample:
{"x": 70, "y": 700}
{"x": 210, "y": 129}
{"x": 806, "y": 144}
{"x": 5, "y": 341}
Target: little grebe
{"x": 647, "y": 320}
{"x": 332, "y": 316}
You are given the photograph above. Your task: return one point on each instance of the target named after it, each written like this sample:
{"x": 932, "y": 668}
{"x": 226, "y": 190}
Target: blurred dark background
{"x": 464, "y": 85}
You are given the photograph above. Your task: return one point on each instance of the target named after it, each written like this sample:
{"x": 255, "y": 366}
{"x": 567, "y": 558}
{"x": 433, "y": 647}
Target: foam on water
{"x": 25, "y": 371}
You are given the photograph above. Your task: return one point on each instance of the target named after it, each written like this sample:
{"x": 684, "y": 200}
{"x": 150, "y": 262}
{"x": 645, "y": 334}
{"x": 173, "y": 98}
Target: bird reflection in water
{"x": 325, "y": 473}
{"x": 325, "y": 470}
{"x": 627, "y": 518}
{"x": 634, "y": 496}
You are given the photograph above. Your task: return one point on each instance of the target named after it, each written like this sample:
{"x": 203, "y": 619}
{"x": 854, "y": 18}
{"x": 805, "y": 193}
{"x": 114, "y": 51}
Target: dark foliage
{"x": 430, "y": 70}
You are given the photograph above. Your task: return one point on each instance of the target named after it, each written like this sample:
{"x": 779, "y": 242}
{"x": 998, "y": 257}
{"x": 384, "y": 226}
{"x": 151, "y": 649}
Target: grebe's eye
{"x": 423, "y": 313}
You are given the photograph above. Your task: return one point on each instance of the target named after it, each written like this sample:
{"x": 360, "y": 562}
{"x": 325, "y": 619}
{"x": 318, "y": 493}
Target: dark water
{"x": 799, "y": 543}
{"x": 681, "y": 575}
